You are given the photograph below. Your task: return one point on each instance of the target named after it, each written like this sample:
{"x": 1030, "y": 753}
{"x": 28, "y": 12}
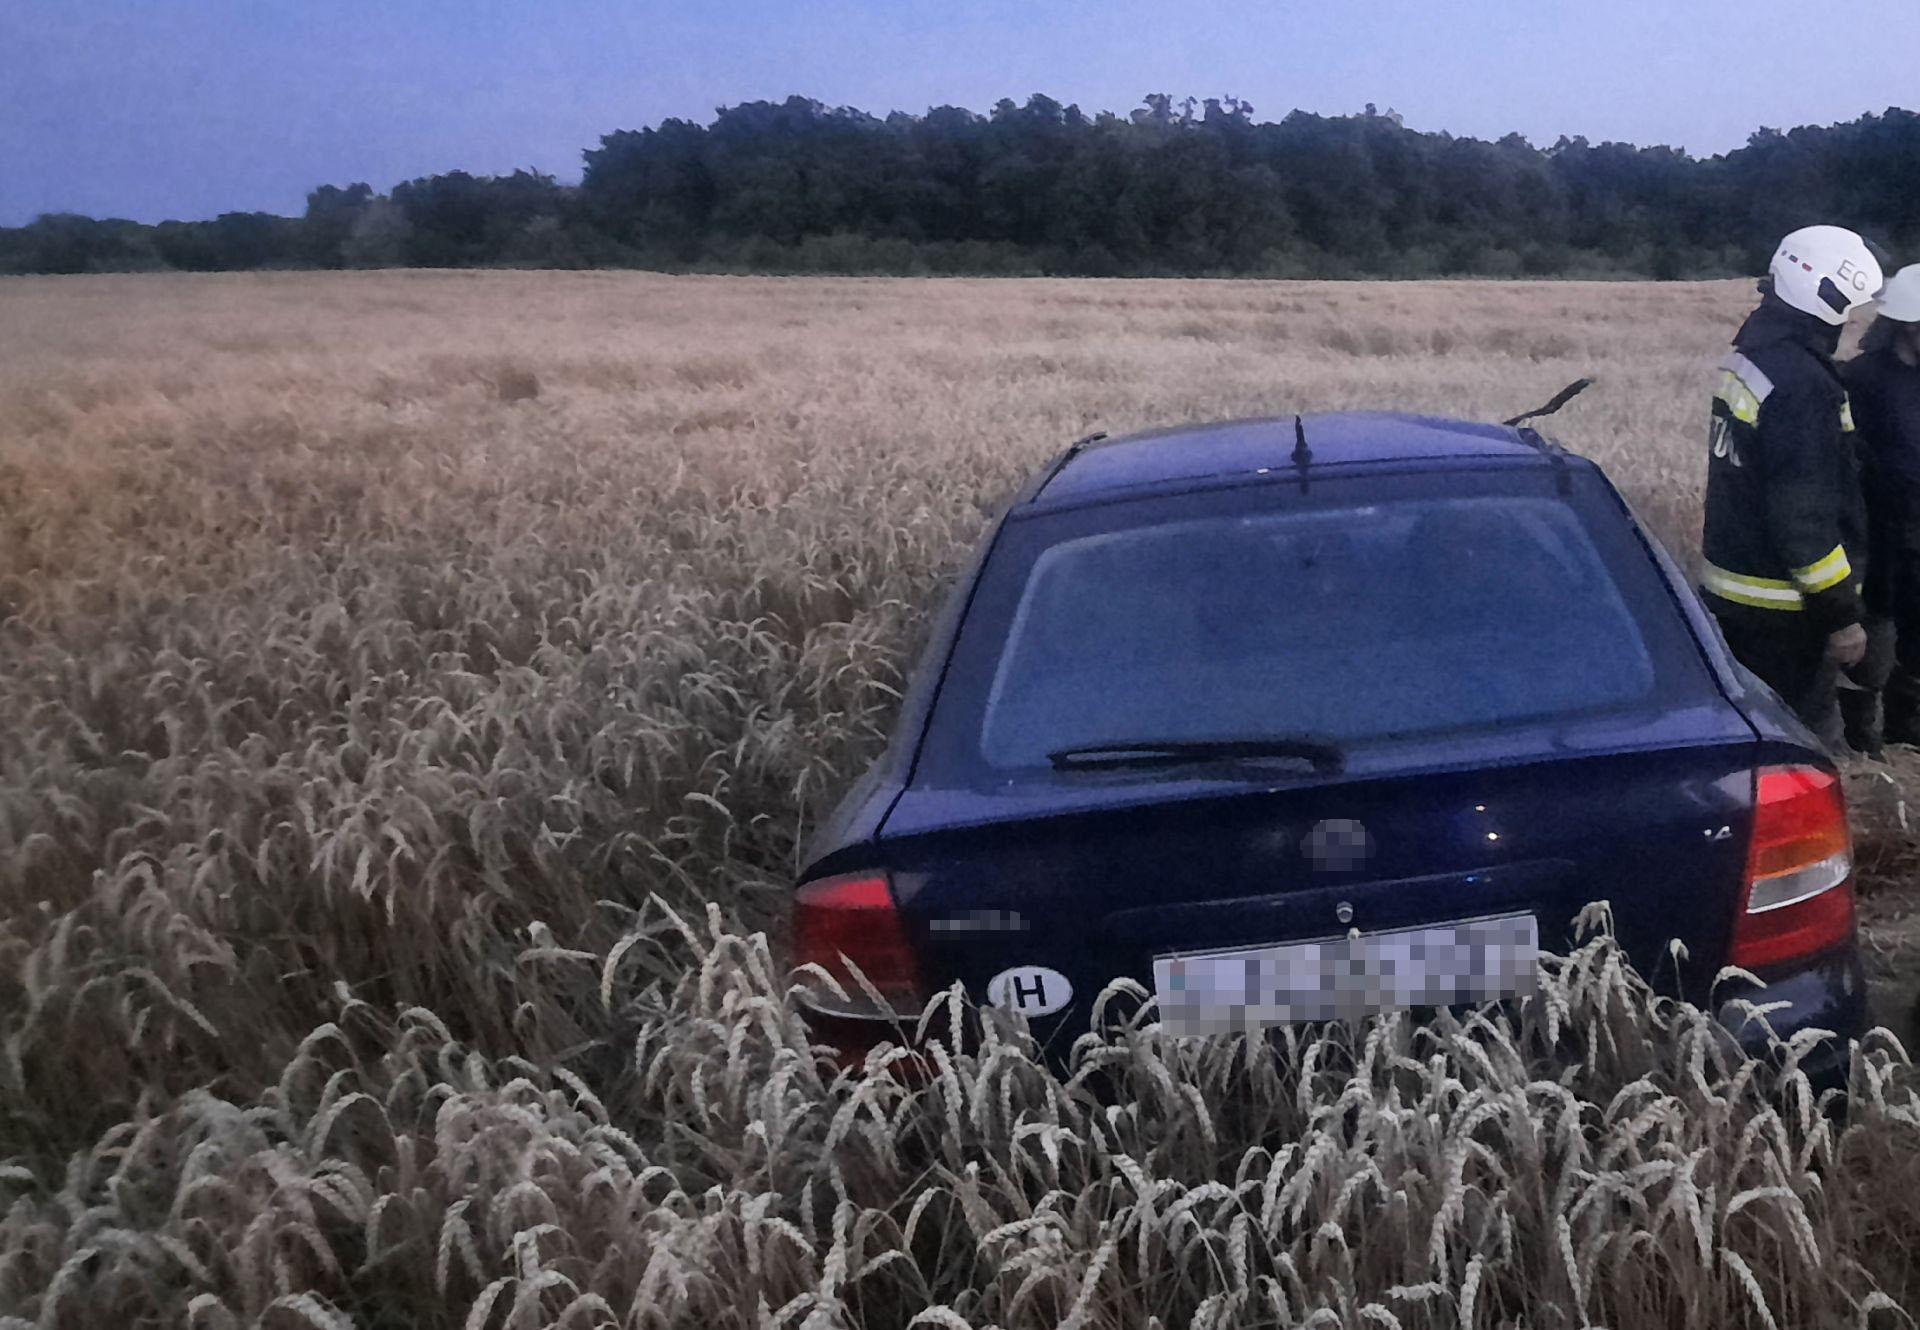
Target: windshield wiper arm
{"x": 1174, "y": 752}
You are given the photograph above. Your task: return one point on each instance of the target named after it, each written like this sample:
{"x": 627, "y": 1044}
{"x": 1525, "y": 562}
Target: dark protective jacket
{"x": 1786, "y": 522}
{"x": 1885, "y": 395}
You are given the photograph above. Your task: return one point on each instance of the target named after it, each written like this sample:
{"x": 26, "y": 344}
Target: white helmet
{"x": 1900, "y": 298}
{"x": 1825, "y": 271}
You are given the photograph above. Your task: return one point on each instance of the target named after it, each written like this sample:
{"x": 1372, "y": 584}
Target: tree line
{"x": 1175, "y": 188}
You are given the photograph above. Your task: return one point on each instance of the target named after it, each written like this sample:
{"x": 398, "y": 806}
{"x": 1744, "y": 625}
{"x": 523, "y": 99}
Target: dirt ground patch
{"x": 1886, "y": 806}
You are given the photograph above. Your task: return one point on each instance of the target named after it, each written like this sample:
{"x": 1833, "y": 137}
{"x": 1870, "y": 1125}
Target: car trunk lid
{"x": 1092, "y": 878}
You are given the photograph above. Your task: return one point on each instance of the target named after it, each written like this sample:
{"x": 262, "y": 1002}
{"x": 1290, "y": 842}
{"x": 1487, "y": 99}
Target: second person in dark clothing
{"x": 1883, "y": 387}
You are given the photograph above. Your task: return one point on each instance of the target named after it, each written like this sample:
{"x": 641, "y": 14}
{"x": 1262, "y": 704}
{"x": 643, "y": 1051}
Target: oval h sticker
{"x": 1031, "y": 990}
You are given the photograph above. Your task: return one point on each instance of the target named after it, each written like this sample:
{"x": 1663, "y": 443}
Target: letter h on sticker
{"x": 1025, "y": 995}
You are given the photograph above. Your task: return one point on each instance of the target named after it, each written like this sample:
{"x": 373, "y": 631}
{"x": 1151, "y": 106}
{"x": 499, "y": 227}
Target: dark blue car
{"x": 1292, "y": 719}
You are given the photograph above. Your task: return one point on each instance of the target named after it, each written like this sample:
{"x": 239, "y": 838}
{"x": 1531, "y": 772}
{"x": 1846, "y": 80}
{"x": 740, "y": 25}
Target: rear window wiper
{"x": 1175, "y": 752}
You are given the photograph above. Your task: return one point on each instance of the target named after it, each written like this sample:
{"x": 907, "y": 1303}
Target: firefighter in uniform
{"x": 1883, "y": 388}
{"x": 1786, "y": 527}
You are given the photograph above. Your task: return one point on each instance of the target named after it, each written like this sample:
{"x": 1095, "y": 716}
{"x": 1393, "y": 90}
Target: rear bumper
{"x": 1828, "y": 993}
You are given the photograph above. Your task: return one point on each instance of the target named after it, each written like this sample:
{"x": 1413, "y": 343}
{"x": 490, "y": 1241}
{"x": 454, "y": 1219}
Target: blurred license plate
{"x": 1466, "y": 963}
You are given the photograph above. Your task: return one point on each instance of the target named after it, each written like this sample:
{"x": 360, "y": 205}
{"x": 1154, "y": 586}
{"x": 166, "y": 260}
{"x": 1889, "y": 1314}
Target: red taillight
{"x": 1799, "y": 894}
{"x": 853, "y": 919}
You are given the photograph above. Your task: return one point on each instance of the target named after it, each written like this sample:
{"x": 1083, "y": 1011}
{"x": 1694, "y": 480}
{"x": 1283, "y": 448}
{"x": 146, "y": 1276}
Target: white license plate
{"x": 1345, "y": 978}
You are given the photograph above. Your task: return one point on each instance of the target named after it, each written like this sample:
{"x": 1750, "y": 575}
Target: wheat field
{"x": 414, "y": 687}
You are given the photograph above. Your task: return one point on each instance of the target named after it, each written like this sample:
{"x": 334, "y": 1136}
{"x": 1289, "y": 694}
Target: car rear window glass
{"x": 1346, "y": 622}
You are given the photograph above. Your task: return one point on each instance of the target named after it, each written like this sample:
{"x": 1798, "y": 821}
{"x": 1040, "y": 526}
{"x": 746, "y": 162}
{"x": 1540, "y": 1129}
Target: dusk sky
{"x": 152, "y": 109}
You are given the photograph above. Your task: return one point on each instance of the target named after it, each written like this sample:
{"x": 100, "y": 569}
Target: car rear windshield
{"x": 1348, "y": 616}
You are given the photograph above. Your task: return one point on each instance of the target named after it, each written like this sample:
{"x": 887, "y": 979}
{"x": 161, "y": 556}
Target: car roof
{"x": 1179, "y": 456}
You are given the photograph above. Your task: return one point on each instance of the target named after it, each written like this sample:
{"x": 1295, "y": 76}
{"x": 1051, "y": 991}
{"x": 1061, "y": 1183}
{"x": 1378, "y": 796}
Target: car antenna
{"x": 1560, "y": 399}
{"x": 1532, "y": 438}
{"x": 1072, "y": 451}
{"x": 1302, "y": 455}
